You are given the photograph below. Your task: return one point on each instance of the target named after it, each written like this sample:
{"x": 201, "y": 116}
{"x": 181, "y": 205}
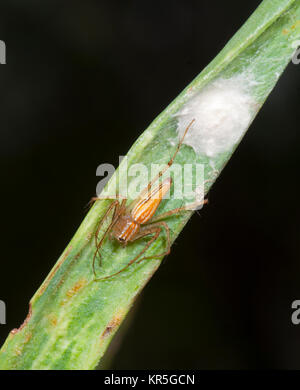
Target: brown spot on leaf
{"x": 112, "y": 325}
{"x": 295, "y": 25}
{"x": 285, "y": 31}
{"x": 62, "y": 280}
{"x": 14, "y": 331}
{"x": 27, "y": 337}
{"x": 74, "y": 290}
{"x": 52, "y": 319}
{"x": 78, "y": 286}
{"x": 52, "y": 273}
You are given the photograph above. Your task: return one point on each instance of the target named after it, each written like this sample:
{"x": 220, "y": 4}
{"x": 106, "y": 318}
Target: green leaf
{"x": 72, "y": 318}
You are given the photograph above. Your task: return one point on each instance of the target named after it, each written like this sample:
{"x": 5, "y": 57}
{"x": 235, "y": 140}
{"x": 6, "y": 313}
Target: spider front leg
{"x": 118, "y": 208}
{"x": 146, "y": 230}
{"x": 96, "y": 198}
{"x": 158, "y": 226}
{"x": 114, "y": 205}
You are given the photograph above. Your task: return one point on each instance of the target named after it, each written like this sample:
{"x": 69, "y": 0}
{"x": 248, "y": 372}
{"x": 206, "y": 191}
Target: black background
{"x": 83, "y": 79}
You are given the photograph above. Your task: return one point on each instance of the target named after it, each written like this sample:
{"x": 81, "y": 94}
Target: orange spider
{"x": 129, "y": 223}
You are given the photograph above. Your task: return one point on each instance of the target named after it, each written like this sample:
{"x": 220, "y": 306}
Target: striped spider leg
{"x": 130, "y": 223}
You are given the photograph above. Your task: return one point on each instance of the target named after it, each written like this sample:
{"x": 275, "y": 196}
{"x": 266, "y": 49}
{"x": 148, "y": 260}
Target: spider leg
{"x": 156, "y": 230}
{"x": 118, "y": 208}
{"x": 188, "y": 207}
{"x": 114, "y": 204}
{"x": 159, "y": 225}
{"x": 96, "y": 198}
{"x": 159, "y": 175}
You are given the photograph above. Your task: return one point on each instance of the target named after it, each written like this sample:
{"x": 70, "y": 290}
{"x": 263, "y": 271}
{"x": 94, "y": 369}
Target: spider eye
{"x": 121, "y": 239}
